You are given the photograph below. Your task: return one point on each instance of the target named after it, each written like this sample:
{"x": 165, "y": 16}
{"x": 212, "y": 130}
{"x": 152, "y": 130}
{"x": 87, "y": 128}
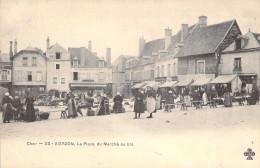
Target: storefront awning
{"x": 153, "y": 84}
{"x": 184, "y": 82}
{"x": 169, "y": 84}
{"x": 201, "y": 82}
{"x": 139, "y": 85}
{"x": 88, "y": 85}
{"x": 224, "y": 79}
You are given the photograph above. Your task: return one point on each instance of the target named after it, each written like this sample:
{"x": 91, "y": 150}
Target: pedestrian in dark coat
{"x": 254, "y": 97}
{"x": 169, "y": 101}
{"x": 139, "y": 104}
{"x": 104, "y": 105}
{"x": 30, "y": 111}
{"x": 118, "y": 99}
{"x": 227, "y": 98}
{"x": 7, "y": 108}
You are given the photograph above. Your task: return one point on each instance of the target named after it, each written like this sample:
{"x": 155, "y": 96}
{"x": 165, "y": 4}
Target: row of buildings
{"x": 198, "y": 52}
{"x": 56, "y": 70}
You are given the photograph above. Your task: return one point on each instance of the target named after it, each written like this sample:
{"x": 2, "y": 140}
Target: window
{"x": 34, "y": 63}
{"x": 4, "y": 74}
{"x": 62, "y": 80}
{"x": 57, "y": 55}
{"x": 29, "y": 76}
{"x": 162, "y": 73}
{"x": 101, "y": 76}
{"x": 41, "y": 89}
{"x": 201, "y": 67}
{"x": 238, "y": 44}
{"x": 101, "y": 63}
{"x": 75, "y": 63}
{"x": 169, "y": 70}
{"x": 57, "y": 66}
{"x": 54, "y": 80}
{"x": 39, "y": 76}
{"x": 75, "y": 75}
{"x": 191, "y": 66}
{"x": 24, "y": 61}
{"x": 237, "y": 64}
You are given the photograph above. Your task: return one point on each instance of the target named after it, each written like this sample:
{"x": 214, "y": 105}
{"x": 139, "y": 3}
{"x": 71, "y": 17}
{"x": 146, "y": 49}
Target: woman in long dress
{"x": 227, "y": 98}
{"x": 30, "y": 111}
{"x": 72, "y": 110}
{"x": 104, "y": 106}
{"x": 150, "y": 101}
{"x": 139, "y": 104}
{"x": 7, "y": 108}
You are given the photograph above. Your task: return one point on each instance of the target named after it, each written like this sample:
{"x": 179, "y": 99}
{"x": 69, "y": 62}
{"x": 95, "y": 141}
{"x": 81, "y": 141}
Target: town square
{"x": 129, "y": 84}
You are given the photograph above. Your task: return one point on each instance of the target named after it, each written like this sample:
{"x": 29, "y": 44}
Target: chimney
{"x": 108, "y": 59}
{"x": 47, "y": 43}
{"x": 168, "y": 37}
{"x": 15, "y": 47}
{"x": 141, "y": 45}
{"x": 82, "y": 56}
{"x": 184, "y": 31}
{"x": 90, "y": 45}
{"x": 203, "y": 21}
{"x": 11, "y": 48}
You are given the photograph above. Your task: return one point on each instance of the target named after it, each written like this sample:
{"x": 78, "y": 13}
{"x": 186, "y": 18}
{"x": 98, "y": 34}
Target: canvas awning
{"x": 201, "y": 82}
{"x": 169, "y": 84}
{"x": 223, "y": 79}
{"x": 139, "y": 85}
{"x": 186, "y": 82}
{"x": 152, "y": 84}
{"x": 88, "y": 85}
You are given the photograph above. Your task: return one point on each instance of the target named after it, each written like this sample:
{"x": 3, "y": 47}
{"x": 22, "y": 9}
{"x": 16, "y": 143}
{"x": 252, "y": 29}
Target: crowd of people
{"x": 148, "y": 99}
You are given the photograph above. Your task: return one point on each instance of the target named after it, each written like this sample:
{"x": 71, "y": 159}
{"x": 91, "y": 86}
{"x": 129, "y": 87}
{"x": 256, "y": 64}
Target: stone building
{"x": 29, "y": 72}
{"x": 58, "y": 70}
{"x": 199, "y": 53}
{"x": 242, "y": 57}
{"x": 5, "y": 71}
{"x": 89, "y": 72}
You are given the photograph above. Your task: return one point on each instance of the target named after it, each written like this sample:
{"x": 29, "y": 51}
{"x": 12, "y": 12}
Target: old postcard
{"x": 135, "y": 83}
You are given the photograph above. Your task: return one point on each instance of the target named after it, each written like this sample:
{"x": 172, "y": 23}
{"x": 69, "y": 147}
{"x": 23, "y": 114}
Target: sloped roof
{"x": 153, "y": 46}
{"x": 257, "y": 36}
{"x": 56, "y": 48}
{"x": 205, "y": 40}
{"x": 90, "y": 59}
{"x": 30, "y": 50}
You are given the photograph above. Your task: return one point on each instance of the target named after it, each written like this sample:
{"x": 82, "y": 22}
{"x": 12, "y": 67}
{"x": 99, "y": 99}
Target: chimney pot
{"x": 168, "y": 38}
{"x": 108, "y": 59}
{"x": 90, "y": 45}
{"x": 47, "y": 43}
{"x": 203, "y": 21}
{"x": 184, "y": 31}
{"x": 15, "y": 47}
{"x": 11, "y": 48}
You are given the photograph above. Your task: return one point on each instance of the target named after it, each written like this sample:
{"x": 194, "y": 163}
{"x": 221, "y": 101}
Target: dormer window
{"x": 58, "y": 55}
{"x": 238, "y": 44}
{"x": 101, "y": 63}
{"x": 75, "y": 63}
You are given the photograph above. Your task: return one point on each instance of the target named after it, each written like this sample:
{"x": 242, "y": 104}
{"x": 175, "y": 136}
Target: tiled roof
{"x": 257, "y": 36}
{"x": 30, "y": 50}
{"x": 56, "y": 48}
{"x": 153, "y": 46}
{"x": 90, "y": 59}
{"x": 205, "y": 40}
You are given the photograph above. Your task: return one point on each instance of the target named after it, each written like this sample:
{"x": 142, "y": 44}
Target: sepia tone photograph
{"x": 133, "y": 84}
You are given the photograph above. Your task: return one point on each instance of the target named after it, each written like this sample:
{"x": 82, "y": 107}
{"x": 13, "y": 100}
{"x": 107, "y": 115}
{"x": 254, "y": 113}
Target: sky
{"x": 112, "y": 23}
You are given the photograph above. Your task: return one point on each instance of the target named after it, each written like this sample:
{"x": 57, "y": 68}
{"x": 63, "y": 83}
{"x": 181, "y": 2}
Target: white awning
{"x": 139, "y": 85}
{"x": 201, "y": 82}
{"x": 169, "y": 84}
{"x": 88, "y": 85}
{"x": 224, "y": 79}
{"x": 186, "y": 82}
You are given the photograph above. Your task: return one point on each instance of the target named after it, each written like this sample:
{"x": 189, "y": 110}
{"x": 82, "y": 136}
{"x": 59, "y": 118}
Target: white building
{"x": 58, "y": 69}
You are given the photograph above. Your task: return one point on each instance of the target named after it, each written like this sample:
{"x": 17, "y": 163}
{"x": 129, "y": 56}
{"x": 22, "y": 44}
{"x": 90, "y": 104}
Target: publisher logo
{"x": 249, "y": 153}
